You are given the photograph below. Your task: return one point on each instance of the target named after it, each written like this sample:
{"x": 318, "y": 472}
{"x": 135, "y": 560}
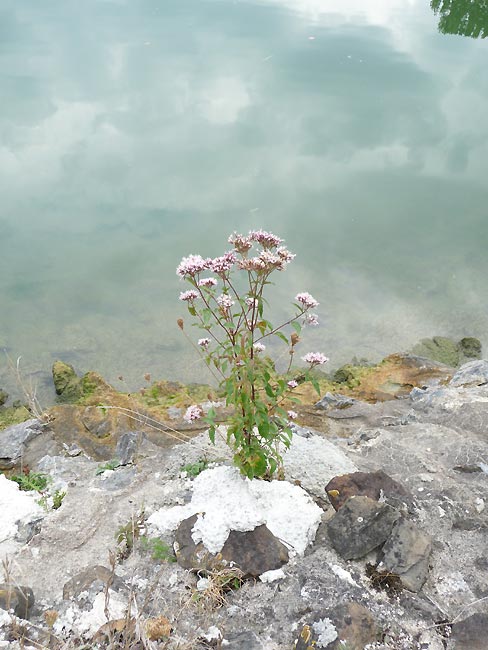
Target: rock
{"x": 474, "y": 373}
{"x": 355, "y": 625}
{"x": 253, "y": 552}
{"x": 243, "y": 641}
{"x": 335, "y": 401}
{"x": 397, "y": 374}
{"x": 157, "y": 628}
{"x": 14, "y": 439}
{"x": 20, "y": 599}
{"x": 84, "y": 580}
{"x": 66, "y": 382}
{"x": 361, "y": 525}
{"x": 127, "y": 446}
{"x": 3, "y": 397}
{"x": 370, "y": 484}
{"x": 438, "y": 348}
{"x": 349, "y": 625}
{"x": 406, "y": 553}
{"x": 470, "y": 348}
{"x": 470, "y": 634}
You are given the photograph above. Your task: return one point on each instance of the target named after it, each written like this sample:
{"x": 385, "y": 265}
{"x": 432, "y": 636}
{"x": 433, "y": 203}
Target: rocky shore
{"x": 133, "y": 531}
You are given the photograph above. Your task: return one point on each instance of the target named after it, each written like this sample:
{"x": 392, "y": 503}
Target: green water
{"x": 134, "y": 132}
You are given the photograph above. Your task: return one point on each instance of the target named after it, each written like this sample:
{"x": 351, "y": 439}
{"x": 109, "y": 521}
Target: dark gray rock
{"x": 406, "y": 553}
{"x": 127, "y": 446}
{"x": 470, "y": 348}
{"x": 253, "y": 552}
{"x": 19, "y": 598}
{"x": 470, "y": 634}
{"x": 14, "y": 439}
{"x": 243, "y": 641}
{"x": 335, "y": 401}
{"x": 374, "y": 485}
{"x": 474, "y": 373}
{"x": 360, "y": 526}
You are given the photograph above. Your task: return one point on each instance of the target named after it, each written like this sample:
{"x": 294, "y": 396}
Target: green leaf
{"x": 211, "y": 434}
{"x": 282, "y": 337}
{"x": 315, "y": 384}
{"x": 296, "y": 326}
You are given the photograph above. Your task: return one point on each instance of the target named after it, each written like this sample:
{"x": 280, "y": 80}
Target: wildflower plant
{"x": 226, "y": 299}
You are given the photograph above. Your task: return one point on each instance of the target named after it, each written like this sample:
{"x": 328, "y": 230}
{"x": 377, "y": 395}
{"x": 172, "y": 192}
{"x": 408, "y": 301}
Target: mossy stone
{"x": 66, "y": 382}
{"x": 440, "y": 349}
{"x": 470, "y": 347}
{"x": 3, "y": 397}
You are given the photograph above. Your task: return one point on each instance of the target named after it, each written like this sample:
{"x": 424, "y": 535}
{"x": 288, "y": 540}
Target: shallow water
{"x": 132, "y": 134}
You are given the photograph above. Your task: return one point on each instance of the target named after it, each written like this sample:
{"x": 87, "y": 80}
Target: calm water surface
{"x": 135, "y": 132}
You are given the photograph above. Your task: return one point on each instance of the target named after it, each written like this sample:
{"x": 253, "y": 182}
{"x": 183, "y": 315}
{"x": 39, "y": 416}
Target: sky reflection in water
{"x": 132, "y": 134}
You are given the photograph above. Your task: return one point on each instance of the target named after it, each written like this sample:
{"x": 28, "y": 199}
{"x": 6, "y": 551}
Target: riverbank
{"x": 106, "y": 553}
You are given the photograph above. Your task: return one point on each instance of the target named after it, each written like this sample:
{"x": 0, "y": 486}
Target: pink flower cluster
{"x": 189, "y": 296}
{"x": 193, "y": 412}
{"x": 225, "y": 301}
{"x": 306, "y": 300}
{"x": 315, "y": 358}
{"x": 259, "y": 347}
{"x": 266, "y": 239}
{"x": 207, "y": 282}
{"x": 204, "y": 343}
{"x": 192, "y": 265}
{"x": 292, "y": 383}
{"x": 311, "y": 319}
{"x": 223, "y": 264}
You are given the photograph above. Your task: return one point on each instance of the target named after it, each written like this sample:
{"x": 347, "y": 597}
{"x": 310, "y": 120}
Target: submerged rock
{"x": 66, "y": 382}
{"x": 448, "y": 351}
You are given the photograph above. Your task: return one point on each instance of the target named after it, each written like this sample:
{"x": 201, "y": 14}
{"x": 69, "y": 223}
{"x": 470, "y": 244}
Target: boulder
{"x": 253, "y": 552}
{"x": 374, "y": 485}
{"x": 406, "y": 553}
{"x": 14, "y": 439}
{"x": 470, "y": 634}
{"x": 474, "y": 373}
{"x": 20, "y": 599}
{"x": 360, "y": 526}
